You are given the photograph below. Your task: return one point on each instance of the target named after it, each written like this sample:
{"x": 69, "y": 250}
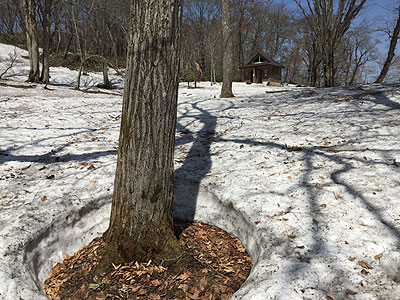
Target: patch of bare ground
{"x": 214, "y": 267}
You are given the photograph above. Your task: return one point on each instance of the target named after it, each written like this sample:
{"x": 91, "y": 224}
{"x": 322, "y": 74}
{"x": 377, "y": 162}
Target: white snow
{"x": 308, "y": 179}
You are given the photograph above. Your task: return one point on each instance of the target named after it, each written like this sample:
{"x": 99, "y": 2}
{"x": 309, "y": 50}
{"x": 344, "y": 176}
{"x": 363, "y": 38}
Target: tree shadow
{"x": 198, "y": 163}
{"x": 52, "y": 156}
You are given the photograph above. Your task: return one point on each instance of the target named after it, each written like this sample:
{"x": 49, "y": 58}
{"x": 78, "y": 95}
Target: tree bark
{"x": 45, "y": 78}
{"x": 392, "y": 48}
{"x": 141, "y": 215}
{"x": 32, "y": 39}
{"x": 226, "y": 90}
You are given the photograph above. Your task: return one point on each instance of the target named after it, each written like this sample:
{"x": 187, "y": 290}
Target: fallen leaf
{"x": 92, "y": 181}
{"x": 315, "y": 221}
{"x": 156, "y": 282}
{"x": 364, "y": 265}
{"x": 44, "y": 198}
{"x": 183, "y": 276}
{"x": 323, "y": 205}
{"x": 291, "y": 236}
{"x": 256, "y": 222}
{"x": 379, "y": 256}
{"x": 183, "y": 287}
{"x": 229, "y": 269}
{"x": 350, "y": 292}
{"x": 364, "y": 272}
{"x": 203, "y": 283}
{"x": 329, "y": 298}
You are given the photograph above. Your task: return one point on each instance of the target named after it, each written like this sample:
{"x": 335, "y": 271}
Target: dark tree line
{"x": 317, "y": 42}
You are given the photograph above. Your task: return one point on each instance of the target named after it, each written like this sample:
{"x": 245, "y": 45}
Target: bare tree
{"x": 141, "y": 215}
{"x": 226, "y": 90}
{"x": 12, "y": 61}
{"x": 329, "y": 22}
{"x": 32, "y": 39}
{"x": 394, "y": 36}
{"x": 311, "y": 55}
{"x": 359, "y": 49}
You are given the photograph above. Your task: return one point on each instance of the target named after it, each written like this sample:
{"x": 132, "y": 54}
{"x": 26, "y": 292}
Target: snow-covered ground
{"x": 312, "y": 176}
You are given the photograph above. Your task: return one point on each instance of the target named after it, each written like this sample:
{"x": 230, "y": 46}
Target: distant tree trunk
{"x": 45, "y": 78}
{"x": 240, "y": 39}
{"x": 226, "y": 90}
{"x": 32, "y": 39}
{"x": 315, "y": 63}
{"x": 78, "y": 78}
{"x": 79, "y": 46}
{"x": 141, "y": 215}
{"x": 106, "y": 81}
{"x": 68, "y": 45}
{"x": 392, "y": 48}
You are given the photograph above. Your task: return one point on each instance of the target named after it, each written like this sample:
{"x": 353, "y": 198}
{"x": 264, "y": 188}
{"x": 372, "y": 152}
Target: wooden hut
{"x": 262, "y": 68}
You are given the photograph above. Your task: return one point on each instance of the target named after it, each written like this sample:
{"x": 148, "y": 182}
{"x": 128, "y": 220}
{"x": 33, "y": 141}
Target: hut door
{"x": 251, "y": 76}
{"x": 259, "y": 76}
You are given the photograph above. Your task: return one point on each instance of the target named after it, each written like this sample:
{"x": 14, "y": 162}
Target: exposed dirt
{"x": 214, "y": 267}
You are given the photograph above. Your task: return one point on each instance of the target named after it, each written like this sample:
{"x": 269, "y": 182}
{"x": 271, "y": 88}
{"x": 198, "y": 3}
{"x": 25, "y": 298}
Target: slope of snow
{"x": 309, "y": 178}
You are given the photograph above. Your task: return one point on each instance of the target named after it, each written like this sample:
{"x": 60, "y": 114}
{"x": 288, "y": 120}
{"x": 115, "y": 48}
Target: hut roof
{"x": 262, "y": 59}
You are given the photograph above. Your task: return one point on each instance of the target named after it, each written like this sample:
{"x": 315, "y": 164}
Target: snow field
{"x": 312, "y": 175}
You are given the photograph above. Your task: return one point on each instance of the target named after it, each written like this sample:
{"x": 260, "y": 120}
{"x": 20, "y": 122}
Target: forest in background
{"x": 92, "y": 35}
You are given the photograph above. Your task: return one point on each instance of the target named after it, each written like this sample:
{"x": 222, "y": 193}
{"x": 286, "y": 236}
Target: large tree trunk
{"x": 392, "y": 48}
{"x": 329, "y": 65}
{"x": 226, "y": 90}
{"x": 141, "y": 215}
{"x": 32, "y": 39}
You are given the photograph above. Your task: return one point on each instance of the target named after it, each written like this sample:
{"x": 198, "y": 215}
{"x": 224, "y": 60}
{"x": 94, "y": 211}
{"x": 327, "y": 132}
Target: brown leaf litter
{"x": 217, "y": 268}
